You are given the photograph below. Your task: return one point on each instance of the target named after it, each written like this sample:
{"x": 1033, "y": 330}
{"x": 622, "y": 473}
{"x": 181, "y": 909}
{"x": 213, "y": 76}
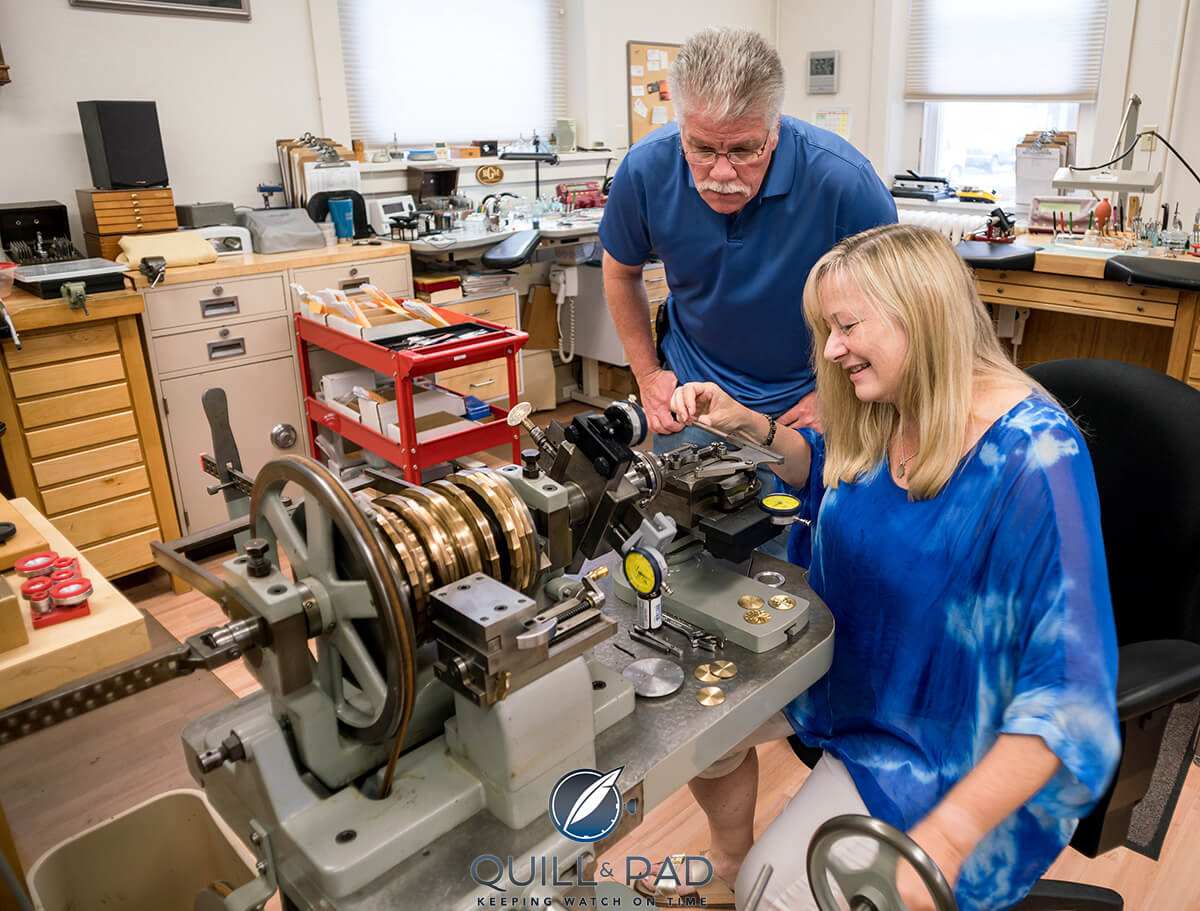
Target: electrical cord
{"x": 1133, "y": 148}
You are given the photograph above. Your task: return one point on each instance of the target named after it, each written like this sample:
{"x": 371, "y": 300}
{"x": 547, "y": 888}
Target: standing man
{"x": 739, "y": 202}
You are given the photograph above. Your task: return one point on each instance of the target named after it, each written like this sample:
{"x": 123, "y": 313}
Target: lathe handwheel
{"x": 366, "y": 658}
{"x": 871, "y": 888}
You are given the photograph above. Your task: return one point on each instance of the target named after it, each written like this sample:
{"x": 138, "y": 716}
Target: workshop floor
{"x": 677, "y": 825}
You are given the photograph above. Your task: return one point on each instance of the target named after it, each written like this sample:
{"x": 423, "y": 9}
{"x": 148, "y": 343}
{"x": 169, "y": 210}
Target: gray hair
{"x": 727, "y": 74}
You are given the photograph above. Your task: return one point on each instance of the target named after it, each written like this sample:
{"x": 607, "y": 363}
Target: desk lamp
{"x": 1103, "y": 178}
{"x": 537, "y": 158}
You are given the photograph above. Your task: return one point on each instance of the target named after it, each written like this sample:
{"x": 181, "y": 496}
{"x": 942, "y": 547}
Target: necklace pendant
{"x": 900, "y": 471}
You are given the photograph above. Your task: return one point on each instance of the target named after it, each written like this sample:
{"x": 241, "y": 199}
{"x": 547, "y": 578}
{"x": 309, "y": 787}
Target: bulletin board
{"x": 649, "y": 96}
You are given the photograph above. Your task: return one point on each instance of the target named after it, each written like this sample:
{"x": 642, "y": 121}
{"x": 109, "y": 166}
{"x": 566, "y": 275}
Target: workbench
{"x": 1077, "y": 312}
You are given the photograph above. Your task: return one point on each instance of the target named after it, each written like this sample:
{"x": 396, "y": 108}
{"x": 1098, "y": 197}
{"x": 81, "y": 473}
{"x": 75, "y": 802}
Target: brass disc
{"x": 704, "y": 674}
{"x": 782, "y": 602}
{"x": 750, "y": 602}
{"x": 756, "y": 617}
{"x": 523, "y": 519}
{"x": 497, "y": 500}
{"x": 477, "y": 522}
{"x": 723, "y": 669}
{"x": 442, "y": 558}
{"x": 453, "y": 524}
{"x": 710, "y": 695}
{"x": 413, "y": 563}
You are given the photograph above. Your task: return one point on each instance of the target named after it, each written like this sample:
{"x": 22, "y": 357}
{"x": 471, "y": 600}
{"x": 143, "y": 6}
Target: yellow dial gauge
{"x": 781, "y": 501}
{"x": 642, "y": 572}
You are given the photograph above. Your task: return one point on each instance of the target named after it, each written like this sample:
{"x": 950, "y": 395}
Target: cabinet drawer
{"x": 122, "y": 555}
{"x": 95, "y": 490}
{"x": 87, "y": 526}
{"x": 117, "y": 197}
{"x": 499, "y": 309}
{"x": 71, "y": 406}
{"x": 217, "y": 302}
{"x": 46, "y": 348}
{"x": 1135, "y": 309}
{"x": 86, "y": 372}
{"x": 80, "y": 434}
{"x": 484, "y": 381}
{"x": 221, "y": 344}
{"x": 391, "y": 276}
{"x": 49, "y": 472}
{"x": 112, "y": 208}
{"x": 133, "y": 224}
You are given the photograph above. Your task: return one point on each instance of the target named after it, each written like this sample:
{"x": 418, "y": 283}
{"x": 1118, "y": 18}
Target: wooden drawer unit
{"x": 499, "y": 309}
{"x": 484, "y": 381}
{"x": 107, "y": 215}
{"x": 215, "y": 302}
{"x": 392, "y": 276}
{"x": 1081, "y": 296}
{"x": 225, "y": 345}
{"x": 83, "y": 443}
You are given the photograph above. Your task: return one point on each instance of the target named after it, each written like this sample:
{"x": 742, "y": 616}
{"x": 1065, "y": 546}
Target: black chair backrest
{"x": 318, "y": 209}
{"x": 1142, "y": 429}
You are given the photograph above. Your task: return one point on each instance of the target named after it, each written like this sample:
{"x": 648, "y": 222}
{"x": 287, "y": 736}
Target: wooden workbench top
{"x": 29, "y": 311}
{"x": 257, "y": 263}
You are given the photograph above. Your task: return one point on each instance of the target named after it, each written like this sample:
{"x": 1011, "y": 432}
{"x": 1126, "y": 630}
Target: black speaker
{"x": 124, "y": 145}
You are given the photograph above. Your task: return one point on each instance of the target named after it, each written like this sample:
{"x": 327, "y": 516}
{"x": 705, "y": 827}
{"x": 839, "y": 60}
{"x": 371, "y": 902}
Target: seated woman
{"x": 957, "y": 541}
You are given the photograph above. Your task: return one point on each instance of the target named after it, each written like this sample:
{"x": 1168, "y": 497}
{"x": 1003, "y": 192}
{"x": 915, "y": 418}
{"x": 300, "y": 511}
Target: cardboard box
{"x": 378, "y": 415}
{"x": 433, "y": 426}
{"x": 341, "y": 383}
{"x": 540, "y": 387}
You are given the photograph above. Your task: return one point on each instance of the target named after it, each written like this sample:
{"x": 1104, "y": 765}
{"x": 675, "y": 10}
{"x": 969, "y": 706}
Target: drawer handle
{"x": 354, "y": 271}
{"x": 481, "y": 312}
{"x": 350, "y": 284}
{"x": 235, "y": 347}
{"x": 657, "y": 300}
{"x": 653, "y": 281}
{"x": 484, "y": 383}
{"x": 218, "y": 306}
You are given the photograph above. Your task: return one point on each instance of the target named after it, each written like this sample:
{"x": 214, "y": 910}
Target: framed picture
{"x": 223, "y": 9}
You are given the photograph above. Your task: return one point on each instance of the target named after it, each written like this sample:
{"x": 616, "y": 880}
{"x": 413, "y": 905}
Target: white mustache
{"x": 724, "y": 186}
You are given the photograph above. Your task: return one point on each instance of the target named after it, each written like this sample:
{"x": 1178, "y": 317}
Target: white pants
{"x": 828, "y": 791}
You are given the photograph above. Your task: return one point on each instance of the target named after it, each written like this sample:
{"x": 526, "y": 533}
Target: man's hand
{"x": 944, "y": 852}
{"x": 655, "y": 390}
{"x": 805, "y": 413}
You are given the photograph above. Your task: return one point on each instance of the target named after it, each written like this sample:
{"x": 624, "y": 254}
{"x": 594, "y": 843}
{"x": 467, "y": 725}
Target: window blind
{"x": 1046, "y": 50}
{"x": 453, "y": 70}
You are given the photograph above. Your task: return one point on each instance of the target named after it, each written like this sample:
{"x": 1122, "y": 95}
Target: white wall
{"x": 226, "y": 90}
{"x": 596, "y": 34}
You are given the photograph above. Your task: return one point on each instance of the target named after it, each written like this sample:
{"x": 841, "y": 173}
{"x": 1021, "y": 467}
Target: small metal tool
{"x": 637, "y": 634}
{"x": 697, "y": 637}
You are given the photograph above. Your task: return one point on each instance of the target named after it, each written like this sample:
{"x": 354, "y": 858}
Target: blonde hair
{"x": 913, "y": 277}
{"x": 728, "y": 74}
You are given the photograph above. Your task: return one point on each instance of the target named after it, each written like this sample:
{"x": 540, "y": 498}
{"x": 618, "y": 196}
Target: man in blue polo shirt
{"x": 739, "y": 202}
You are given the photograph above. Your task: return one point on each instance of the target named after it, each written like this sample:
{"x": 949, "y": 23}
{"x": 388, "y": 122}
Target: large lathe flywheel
{"x": 365, "y": 661}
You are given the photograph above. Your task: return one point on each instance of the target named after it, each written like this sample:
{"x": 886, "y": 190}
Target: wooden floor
{"x": 677, "y": 825}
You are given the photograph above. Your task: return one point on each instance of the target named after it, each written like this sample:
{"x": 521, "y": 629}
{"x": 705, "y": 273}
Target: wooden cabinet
{"x": 489, "y": 379}
{"x": 82, "y": 441}
{"x": 108, "y": 215}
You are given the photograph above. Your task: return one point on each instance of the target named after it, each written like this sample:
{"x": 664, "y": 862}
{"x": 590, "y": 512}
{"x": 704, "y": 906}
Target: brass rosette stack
{"x": 469, "y": 522}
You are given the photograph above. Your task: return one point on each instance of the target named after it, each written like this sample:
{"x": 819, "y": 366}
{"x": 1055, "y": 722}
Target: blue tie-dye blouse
{"x": 984, "y": 610}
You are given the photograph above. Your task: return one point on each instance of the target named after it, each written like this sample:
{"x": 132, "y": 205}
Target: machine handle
{"x": 234, "y": 347}
{"x": 219, "y": 306}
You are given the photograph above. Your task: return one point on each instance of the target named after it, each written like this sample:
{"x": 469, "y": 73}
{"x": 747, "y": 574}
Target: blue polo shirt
{"x": 737, "y": 281}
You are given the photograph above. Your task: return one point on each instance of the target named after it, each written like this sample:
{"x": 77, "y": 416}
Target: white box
{"x": 372, "y": 333}
{"x": 342, "y": 382}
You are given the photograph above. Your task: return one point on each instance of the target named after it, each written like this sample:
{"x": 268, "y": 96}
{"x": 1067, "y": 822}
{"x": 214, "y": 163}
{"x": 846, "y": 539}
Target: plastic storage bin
{"x": 157, "y": 855}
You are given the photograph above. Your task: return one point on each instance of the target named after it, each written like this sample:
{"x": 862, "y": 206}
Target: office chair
{"x": 1142, "y": 430}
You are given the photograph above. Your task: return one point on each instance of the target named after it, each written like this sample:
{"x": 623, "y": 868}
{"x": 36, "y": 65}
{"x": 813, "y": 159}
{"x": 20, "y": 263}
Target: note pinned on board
{"x": 836, "y": 120}
{"x": 636, "y": 70}
{"x": 639, "y": 108}
{"x": 638, "y": 91}
{"x": 658, "y": 114}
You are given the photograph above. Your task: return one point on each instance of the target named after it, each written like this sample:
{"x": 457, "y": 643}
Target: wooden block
{"x": 112, "y": 633}
{"x": 12, "y": 627}
{"x": 27, "y": 540}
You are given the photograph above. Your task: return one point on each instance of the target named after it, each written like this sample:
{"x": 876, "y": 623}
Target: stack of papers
{"x": 486, "y": 282}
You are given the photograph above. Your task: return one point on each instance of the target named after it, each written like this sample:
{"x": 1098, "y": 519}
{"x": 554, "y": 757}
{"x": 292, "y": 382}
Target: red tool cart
{"x": 403, "y": 366}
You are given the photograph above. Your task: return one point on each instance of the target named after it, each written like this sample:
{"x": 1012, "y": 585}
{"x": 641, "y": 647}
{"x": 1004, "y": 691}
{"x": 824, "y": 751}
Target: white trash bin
{"x": 153, "y": 857}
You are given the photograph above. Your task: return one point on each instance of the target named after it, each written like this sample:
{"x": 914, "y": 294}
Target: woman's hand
{"x": 943, "y": 850}
{"x": 708, "y": 403}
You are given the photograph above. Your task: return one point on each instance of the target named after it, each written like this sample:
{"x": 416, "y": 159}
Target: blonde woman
{"x": 971, "y": 701}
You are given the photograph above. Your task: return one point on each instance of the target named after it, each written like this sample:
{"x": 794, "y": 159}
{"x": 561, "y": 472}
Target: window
{"x": 990, "y": 73}
{"x": 973, "y": 143}
{"x": 453, "y": 70}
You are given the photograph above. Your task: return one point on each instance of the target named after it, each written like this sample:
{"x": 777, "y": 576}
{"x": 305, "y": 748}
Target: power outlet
{"x": 1148, "y": 143}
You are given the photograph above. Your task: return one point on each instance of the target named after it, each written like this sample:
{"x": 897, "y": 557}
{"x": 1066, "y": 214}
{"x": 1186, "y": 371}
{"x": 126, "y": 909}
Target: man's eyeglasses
{"x": 733, "y": 156}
